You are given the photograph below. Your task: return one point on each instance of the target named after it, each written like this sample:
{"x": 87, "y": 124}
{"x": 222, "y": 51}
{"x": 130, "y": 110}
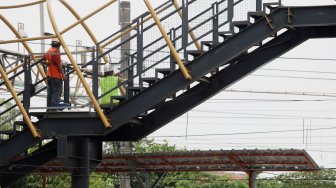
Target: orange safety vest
{"x": 53, "y": 56}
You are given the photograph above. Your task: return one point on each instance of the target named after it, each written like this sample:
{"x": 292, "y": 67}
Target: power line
{"x": 310, "y": 59}
{"x": 297, "y": 77}
{"x": 241, "y": 133}
{"x": 302, "y": 71}
{"x": 313, "y": 94}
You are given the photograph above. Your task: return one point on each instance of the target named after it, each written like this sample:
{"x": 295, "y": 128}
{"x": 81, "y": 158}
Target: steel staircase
{"x": 159, "y": 93}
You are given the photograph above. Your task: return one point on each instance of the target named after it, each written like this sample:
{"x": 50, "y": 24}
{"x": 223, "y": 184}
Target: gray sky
{"x": 285, "y": 116}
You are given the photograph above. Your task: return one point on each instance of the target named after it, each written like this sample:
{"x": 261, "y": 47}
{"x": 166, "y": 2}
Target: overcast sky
{"x": 229, "y": 114}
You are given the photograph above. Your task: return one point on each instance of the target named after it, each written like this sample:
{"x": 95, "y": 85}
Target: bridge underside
{"x": 166, "y": 99}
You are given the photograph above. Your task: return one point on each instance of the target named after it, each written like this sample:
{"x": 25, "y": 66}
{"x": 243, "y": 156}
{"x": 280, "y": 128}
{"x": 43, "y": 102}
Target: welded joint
{"x": 290, "y": 16}
{"x": 269, "y": 22}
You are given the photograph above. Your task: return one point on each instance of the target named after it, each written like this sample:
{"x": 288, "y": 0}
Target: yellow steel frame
{"x": 23, "y": 111}
{"x": 102, "y": 116}
{"x": 29, "y": 50}
{"x": 22, "y": 5}
{"x": 169, "y": 43}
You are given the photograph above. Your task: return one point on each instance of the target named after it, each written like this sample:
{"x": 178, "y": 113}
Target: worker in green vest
{"x": 107, "y": 82}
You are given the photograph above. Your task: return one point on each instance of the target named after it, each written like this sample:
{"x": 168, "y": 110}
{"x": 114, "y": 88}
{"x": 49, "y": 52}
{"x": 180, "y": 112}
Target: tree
{"x": 323, "y": 178}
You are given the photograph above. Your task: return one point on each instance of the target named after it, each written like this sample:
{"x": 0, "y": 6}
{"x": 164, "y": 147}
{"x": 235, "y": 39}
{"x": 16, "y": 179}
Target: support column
{"x": 81, "y": 155}
{"x": 125, "y": 20}
{"x": 252, "y": 179}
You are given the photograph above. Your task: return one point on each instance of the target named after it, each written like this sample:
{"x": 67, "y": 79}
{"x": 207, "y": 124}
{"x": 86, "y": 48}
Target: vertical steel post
{"x": 215, "y": 32}
{"x": 66, "y": 89}
{"x": 230, "y": 14}
{"x": 191, "y": 33}
{"x": 185, "y": 30}
{"x": 258, "y": 5}
{"x": 27, "y": 81}
{"x": 169, "y": 43}
{"x": 95, "y": 70}
{"x": 140, "y": 49}
{"x": 252, "y": 179}
{"x": 172, "y": 35}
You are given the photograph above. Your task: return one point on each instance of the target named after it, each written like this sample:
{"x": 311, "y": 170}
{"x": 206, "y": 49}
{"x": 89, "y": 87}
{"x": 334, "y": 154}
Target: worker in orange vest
{"x": 55, "y": 74}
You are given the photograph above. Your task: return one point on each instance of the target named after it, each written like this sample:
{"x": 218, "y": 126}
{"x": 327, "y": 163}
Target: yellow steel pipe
{"x": 169, "y": 43}
{"x": 132, "y": 28}
{"x": 88, "y": 16}
{"x": 192, "y": 35}
{"x": 23, "y": 111}
{"x": 87, "y": 29}
{"x": 63, "y": 31}
{"x": 27, "y": 39}
{"x": 29, "y": 50}
{"x": 22, "y": 5}
{"x": 79, "y": 74}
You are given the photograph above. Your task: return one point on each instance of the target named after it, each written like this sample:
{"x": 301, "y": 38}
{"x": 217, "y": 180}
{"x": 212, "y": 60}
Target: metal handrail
{"x": 176, "y": 38}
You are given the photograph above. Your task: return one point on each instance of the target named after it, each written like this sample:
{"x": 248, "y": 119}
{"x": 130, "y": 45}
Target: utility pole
{"x": 42, "y": 26}
{"x": 124, "y": 21}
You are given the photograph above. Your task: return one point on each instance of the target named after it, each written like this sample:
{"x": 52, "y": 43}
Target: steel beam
{"x": 233, "y": 47}
{"x": 21, "y": 168}
{"x": 198, "y": 94}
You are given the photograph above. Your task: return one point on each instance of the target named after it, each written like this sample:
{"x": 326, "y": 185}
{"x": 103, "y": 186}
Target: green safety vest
{"x": 106, "y": 84}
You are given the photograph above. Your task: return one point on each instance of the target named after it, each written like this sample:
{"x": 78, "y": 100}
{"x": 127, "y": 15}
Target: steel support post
{"x": 66, "y": 89}
{"x": 230, "y": 6}
{"x": 215, "y": 32}
{"x": 95, "y": 67}
{"x": 258, "y": 5}
{"x": 139, "y": 51}
{"x": 27, "y": 83}
{"x": 81, "y": 156}
{"x": 172, "y": 35}
{"x": 252, "y": 179}
{"x": 185, "y": 29}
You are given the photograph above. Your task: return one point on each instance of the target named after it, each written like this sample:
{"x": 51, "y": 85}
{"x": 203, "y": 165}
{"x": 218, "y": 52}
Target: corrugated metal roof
{"x": 221, "y": 160}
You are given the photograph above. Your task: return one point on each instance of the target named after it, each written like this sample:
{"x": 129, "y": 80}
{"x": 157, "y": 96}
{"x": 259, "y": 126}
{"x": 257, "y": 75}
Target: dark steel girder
{"x": 224, "y": 53}
{"x": 23, "y": 167}
{"x": 220, "y": 55}
{"x": 245, "y": 65}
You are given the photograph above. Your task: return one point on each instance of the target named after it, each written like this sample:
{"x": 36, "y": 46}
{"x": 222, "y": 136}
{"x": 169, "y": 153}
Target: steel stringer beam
{"x": 52, "y": 125}
{"x": 23, "y": 167}
{"x": 222, "y": 54}
{"x": 198, "y": 94}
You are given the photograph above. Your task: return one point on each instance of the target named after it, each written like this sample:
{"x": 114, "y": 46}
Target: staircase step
{"x": 150, "y": 80}
{"x": 270, "y": 6}
{"x": 209, "y": 44}
{"x": 256, "y": 15}
{"x": 241, "y": 24}
{"x": 195, "y": 53}
{"x": 225, "y": 34}
{"x": 8, "y": 132}
{"x": 164, "y": 71}
{"x": 204, "y": 80}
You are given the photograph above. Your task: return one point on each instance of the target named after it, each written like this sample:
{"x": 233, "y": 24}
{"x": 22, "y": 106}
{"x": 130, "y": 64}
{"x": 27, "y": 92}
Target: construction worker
{"x": 107, "y": 82}
{"x": 55, "y": 74}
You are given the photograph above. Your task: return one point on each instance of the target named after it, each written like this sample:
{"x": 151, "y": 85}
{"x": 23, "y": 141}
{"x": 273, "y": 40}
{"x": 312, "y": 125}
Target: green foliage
{"x": 149, "y": 146}
{"x": 8, "y": 116}
{"x": 323, "y": 178}
{"x": 200, "y": 180}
